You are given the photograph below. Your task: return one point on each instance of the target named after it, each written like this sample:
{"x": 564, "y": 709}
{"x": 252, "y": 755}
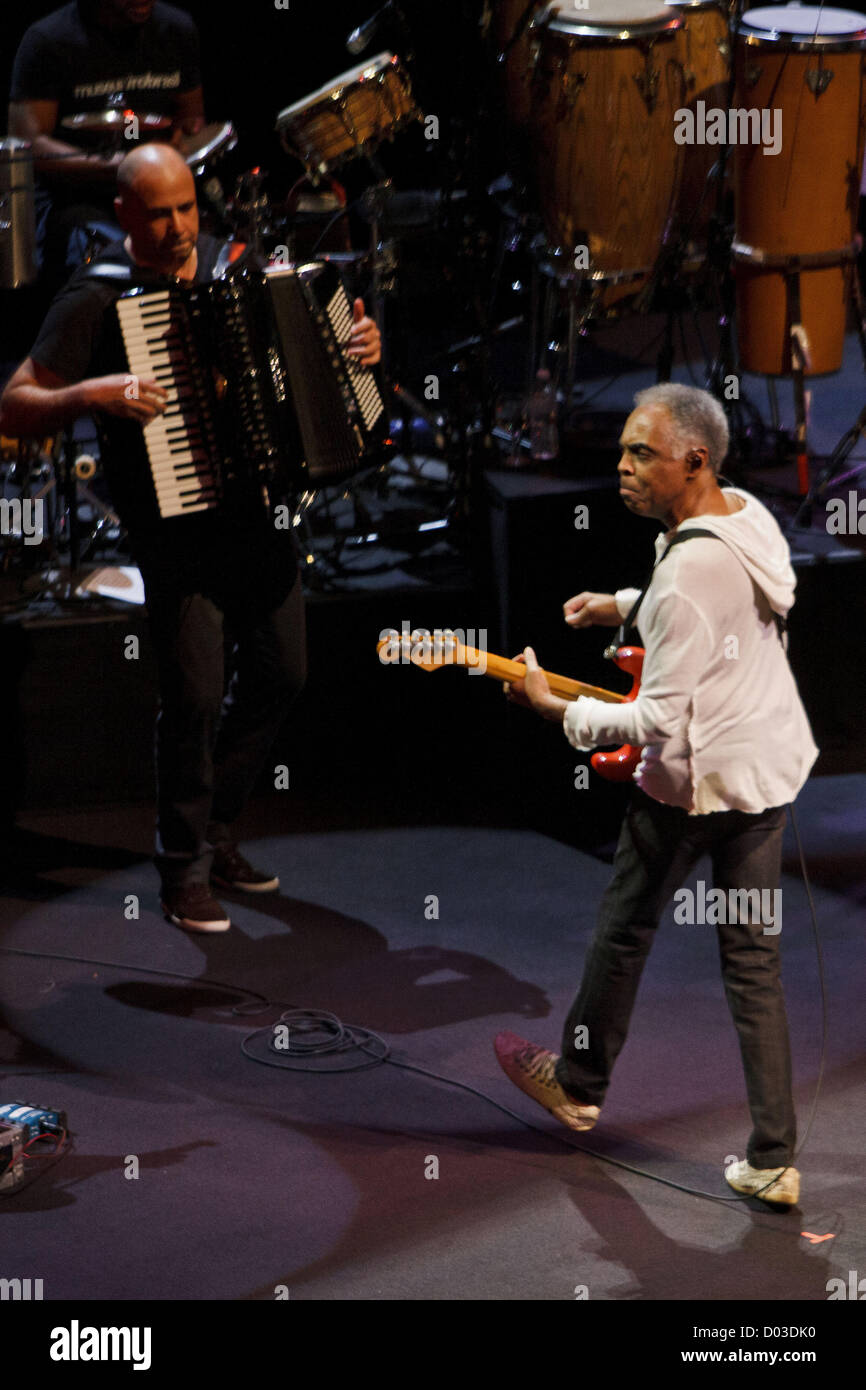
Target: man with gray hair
{"x": 726, "y": 745}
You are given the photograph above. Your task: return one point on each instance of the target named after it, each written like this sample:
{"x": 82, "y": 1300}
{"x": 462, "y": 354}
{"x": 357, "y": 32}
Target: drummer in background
{"x": 86, "y": 57}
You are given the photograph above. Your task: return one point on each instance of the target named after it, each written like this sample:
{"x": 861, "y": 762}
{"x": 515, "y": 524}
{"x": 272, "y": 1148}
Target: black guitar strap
{"x": 679, "y": 538}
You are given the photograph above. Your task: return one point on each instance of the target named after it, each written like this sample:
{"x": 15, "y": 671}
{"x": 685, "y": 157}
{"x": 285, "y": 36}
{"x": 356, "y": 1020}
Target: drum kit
{"x": 348, "y": 119}
{"x": 649, "y": 134}
{"x": 651, "y": 143}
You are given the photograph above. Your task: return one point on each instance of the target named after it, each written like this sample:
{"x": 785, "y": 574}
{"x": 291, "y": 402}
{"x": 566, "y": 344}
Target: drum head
{"x": 803, "y": 22}
{"x": 211, "y": 140}
{"x": 609, "y": 18}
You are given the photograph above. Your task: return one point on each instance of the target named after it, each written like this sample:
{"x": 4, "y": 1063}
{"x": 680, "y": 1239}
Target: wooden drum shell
{"x": 350, "y": 117}
{"x": 607, "y": 166}
{"x": 799, "y": 202}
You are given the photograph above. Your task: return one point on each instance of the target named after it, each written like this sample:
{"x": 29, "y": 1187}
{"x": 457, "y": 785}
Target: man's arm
{"x": 36, "y": 121}
{"x": 188, "y": 114}
{"x": 37, "y": 401}
{"x": 679, "y": 650}
{"x": 590, "y": 609}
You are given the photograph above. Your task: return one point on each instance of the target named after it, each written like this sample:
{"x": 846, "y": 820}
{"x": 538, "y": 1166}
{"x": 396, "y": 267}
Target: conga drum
{"x": 605, "y": 90}
{"x": 796, "y": 210}
{"x": 706, "y": 46}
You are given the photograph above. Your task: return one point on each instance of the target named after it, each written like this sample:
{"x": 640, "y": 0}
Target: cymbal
{"x": 107, "y": 122}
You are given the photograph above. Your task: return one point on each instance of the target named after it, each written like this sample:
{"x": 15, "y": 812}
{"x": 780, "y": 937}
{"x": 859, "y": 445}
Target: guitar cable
{"x": 321, "y": 1034}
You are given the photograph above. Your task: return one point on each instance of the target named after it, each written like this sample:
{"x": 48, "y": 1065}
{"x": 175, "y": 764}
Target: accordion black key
{"x": 261, "y": 391}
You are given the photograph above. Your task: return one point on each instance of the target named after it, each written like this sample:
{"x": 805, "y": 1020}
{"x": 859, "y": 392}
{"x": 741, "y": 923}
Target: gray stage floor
{"x": 251, "y": 1177}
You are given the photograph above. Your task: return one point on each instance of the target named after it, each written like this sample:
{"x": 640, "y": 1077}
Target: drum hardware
{"x": 830, "y": 476}
{"x": 648, "y": 82}
{"x": 361, "y": 38}
{"x": 520, "y": 28}
{"x": 752, "y": 74}
{"x": 72, "y": 472}
{"x": 17, "y": 215}
{"x": 53, "y": 471}
{"x": 810, "y": 260}
{"x": 572, "y": 85}
{"x": 819, "y": 80}
{"x": 251, "y": 208}
{"x": 515, "y": 52}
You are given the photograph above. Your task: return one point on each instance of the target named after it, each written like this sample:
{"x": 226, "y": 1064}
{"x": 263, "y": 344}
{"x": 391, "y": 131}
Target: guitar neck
{"x": 501, "y": 669}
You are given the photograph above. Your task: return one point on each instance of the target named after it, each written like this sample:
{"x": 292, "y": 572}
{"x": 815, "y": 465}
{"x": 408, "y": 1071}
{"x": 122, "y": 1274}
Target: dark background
{"x": 257, "y": 59}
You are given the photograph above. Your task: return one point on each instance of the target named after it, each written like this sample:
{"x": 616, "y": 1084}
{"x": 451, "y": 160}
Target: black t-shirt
{"x": 81, "y": 338}
{"x": 69, "y": 58}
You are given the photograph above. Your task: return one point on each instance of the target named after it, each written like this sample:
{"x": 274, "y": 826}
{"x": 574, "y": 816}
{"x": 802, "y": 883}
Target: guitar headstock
{"x": 429, "y": 650}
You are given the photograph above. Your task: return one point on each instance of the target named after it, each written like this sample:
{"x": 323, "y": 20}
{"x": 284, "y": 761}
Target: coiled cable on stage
{"x": 313, "y": 1040}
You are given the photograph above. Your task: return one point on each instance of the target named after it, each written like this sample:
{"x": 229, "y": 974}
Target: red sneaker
{"x": 531, "y": 1068}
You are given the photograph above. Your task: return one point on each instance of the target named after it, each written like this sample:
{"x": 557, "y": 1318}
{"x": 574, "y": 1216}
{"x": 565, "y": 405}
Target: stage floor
{"x": 253, "y": 1178}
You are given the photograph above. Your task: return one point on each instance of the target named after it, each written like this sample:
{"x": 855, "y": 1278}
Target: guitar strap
{"x": 679, "y": 538}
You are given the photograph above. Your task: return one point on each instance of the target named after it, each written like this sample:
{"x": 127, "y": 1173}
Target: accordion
{"x": 261, "y": 391}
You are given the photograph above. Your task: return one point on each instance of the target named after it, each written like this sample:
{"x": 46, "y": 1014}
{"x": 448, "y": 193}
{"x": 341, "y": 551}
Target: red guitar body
{"x": 620, "y": 765}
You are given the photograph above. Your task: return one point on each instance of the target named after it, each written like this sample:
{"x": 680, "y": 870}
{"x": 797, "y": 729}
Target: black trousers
{"x": 218, "y": 612}
{"x": 658, "y": 846}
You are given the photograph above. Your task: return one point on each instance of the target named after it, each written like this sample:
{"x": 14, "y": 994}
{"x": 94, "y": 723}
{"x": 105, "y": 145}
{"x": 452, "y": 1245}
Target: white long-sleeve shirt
{"x": 718, "y": 715}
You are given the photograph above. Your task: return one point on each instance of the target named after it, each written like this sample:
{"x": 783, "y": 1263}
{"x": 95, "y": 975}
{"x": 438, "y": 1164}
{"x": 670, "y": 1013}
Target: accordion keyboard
{"x": 366, "y": 391}
{"x": 179, "y": 443}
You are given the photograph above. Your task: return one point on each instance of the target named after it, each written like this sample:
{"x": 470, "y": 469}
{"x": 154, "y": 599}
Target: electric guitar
{"x": 431, "y": 651}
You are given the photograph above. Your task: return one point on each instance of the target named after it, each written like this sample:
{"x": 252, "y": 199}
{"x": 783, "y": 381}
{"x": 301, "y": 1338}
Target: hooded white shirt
{"x": 718, "y": 715}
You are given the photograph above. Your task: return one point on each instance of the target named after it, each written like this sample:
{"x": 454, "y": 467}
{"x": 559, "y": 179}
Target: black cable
{"x": 321, "y": 1034}
{"x": 608, "y": 382}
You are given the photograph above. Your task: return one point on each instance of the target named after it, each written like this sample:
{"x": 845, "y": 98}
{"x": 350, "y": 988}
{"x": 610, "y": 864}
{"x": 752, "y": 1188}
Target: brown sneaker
{"x": 194, "y": 909}
{"x": 230, "y": 870}
{"x": 532, "y": 1069}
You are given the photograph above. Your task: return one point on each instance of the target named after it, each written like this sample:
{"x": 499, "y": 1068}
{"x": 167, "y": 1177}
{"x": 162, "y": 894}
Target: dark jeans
{"x": 658, "y": 846}
{"x": 211, "y": 746}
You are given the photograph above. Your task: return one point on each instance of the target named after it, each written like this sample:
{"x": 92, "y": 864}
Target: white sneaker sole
{"x": 218, "y": 924}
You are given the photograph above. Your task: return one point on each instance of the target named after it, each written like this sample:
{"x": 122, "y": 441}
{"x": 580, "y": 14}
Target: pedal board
{"x": 12, "y": 1141}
